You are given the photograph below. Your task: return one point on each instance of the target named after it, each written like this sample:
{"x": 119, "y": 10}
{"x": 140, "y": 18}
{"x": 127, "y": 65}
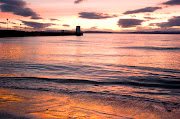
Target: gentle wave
{"x": 152, "y": 48}
{"x": 96, "y": 88}
{"x": 157, "y": 69}
{"x": 136, "y": 81}
{"x": 72, "y": 67}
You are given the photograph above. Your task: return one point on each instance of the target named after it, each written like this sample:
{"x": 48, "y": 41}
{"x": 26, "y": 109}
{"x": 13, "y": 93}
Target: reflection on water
{"x": 53, "y": 106}
{"x": 134, "y": 66}
{"x": 142, "y": 50}
{"x": 101, "y": 49}
{"x": 6, "y": 96}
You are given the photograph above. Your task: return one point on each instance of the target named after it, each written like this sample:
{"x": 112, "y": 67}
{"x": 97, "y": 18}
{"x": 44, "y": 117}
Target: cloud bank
{"x": 126, "y": 23}
{"x": 172, "y": 2}
{"x": 18, "y": 7}
{"x": 146, "y": 9}
{"x": 37, "y": 25}
{"x": 94, "y": 15}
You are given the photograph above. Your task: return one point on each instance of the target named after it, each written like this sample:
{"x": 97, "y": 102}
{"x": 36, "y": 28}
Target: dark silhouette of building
{"x": 78, "y": 31}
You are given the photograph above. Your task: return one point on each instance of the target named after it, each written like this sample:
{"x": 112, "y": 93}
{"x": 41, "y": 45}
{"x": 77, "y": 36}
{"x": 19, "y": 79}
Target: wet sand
{"x": 28, "y": 104}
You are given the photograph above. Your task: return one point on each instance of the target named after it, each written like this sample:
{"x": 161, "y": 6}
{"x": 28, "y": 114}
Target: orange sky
{"x": 108, "y": 15}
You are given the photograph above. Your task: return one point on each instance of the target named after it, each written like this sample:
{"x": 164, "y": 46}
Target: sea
{"x": 142, "y": 67}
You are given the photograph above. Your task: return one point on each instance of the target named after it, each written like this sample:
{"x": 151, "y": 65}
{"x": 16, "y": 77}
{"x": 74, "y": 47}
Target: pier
{"x": 16, "y": 33}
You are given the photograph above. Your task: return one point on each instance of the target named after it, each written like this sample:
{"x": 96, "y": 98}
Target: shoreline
{"x": 50, "y": 105}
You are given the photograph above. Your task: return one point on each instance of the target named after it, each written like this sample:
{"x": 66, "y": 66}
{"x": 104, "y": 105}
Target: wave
{"x": 59, "y": 69}
{"x": 78, "y": 86}
{"x": 131, "y": 81}
{"x": 157, "y": 69}
{"x": 152, "y": 48}
{"x": 154, "y": 93}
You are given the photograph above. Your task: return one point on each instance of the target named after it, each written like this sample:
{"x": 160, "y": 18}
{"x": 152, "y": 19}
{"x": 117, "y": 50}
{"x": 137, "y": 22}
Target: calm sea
{"x": 134, "y": 66}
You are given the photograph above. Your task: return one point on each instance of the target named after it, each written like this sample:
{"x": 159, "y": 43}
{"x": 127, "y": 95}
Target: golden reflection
{"x": 63, "y": 106}
{"x": 11, "y": 52}
{"x": 7, "y": 96}
{"x": 8, "y": 75}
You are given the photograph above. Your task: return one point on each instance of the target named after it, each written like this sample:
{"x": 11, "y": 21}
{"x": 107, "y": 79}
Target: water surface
{"x": 131, "y": 66}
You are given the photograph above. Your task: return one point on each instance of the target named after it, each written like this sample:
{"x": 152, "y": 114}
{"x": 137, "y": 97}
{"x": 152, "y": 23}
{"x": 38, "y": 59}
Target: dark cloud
{"x": 53, "y": 19}
{"x": 94, "y": 15}
{"x": 172, "y": 2}
{"x": 18, "y": 7}
{"x": 78, "y": 1}
{"x": 147, "y": 9}
{"x": 3, "y": 22}
{"x": 66, "y": 25}
{"x": 126, "y": 23}
{"x": 37, "y": 25}
{"x": 175, "y": 21}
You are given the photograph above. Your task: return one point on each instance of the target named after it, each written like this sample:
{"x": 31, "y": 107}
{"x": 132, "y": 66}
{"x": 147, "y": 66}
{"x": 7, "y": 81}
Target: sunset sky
{"x": 104, "y": 15}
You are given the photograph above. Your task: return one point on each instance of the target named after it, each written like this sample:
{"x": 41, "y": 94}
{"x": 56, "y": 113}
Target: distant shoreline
{"x": 154, "y": 32}
{"x": 15, "y": 33}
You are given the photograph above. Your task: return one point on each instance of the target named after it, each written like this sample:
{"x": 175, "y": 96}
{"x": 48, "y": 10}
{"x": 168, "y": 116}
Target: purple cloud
{"x": 150, "y": 18}
{"x": 78, "y": 1}
{"x": 172, "y": 2}
{"x": 53, "y": 19}
{"x": 3, "y": 22}
{"x": 175, "y": 21}
{"x": 37, "y": 25}
{"x": 94, "y": 15}
{"x": 147, "y": 9}
{"x": 18, "y": 7}
{"x": 126, "y": 23}
{"x": 66, "y": 25}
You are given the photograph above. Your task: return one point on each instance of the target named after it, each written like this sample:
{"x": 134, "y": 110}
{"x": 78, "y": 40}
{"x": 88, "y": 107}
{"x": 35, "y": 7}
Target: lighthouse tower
{"x": 78, "y": 31}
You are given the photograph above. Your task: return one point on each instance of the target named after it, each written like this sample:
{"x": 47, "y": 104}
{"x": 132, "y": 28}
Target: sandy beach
{"x": 25, "y": 104}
